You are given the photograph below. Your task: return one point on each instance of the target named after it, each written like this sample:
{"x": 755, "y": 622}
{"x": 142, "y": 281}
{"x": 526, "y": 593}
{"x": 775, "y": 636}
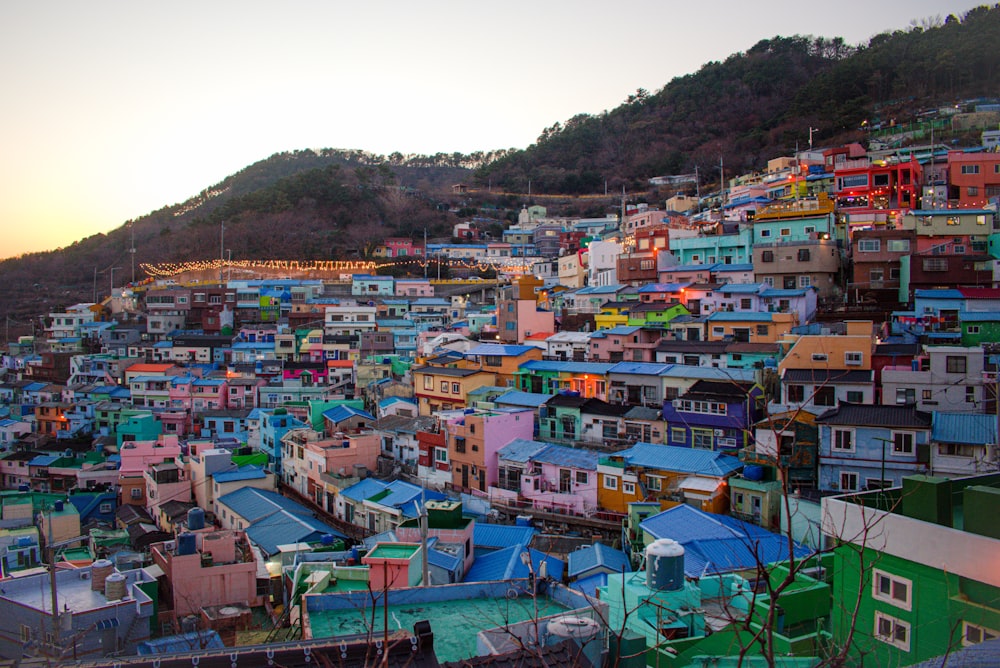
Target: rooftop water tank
{"x": 665, "y": 565}
{"x": 186, "y": 544}
{"x": 326, "y": 539}
{"x": 583, "y": 631}
{"x": 196, "y": 519}
{"x": 99, "y": 571}
{"x": 115, "y": 587}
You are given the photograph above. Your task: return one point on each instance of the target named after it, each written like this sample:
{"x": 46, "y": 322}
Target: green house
{"x": 979, "y": 327}
{"x": 655, "y": 314}
{"x": 915, "y": 572}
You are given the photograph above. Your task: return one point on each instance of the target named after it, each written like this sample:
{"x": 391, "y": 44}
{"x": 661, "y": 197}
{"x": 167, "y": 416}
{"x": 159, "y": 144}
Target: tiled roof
{"x": 964, "y": 428}
{"x": 682, "y": 460}
{"x": 876, "y": 416}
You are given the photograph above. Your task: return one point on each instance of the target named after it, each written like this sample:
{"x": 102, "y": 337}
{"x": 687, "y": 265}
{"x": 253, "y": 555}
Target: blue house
{"x": 864, "y": 447}
{"x": 596, "y": 559}
{"x": 713, "y": 415}
{"x": 274, "y": 424}
{"x": 369, "y": 285}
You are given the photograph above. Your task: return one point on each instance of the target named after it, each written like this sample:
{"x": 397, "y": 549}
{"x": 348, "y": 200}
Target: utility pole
{"x": 811, "y": 131}
{"x": 222, "y": 249}
{"x": 426, "y": 257}
{"x": 131, "y": 249}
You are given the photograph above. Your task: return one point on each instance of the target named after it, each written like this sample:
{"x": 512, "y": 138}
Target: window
{"x": 746, "y": 304}
{"x": 582, "y": 478}
{"x": 444, "y": 387}
{"x": 654, "y": 483}
{"x": 456, "y": 388}
{"x": 956, "y": 450}
{"x": 848, "y": 481}
{"x": 970, "y": 169}
{"x": 970, "y": 395}
{"x": 785, "y": 231}
{"x": 803, "y": 255}
{"x": 972, "y": 329}
{"x": 428, "y": 383}
{"x": 905, "y": 395}
{"x": 795, "y": 394}
{"x": 678, "y": 434}
{"x": 902, "y": 443}
{"x": 891, "y": 589}
{"x": 805, "y": 281}
{"x": 767, "y": 256}
{"x": 854, "y": 358}
{"x": 762, "y": 330}
{"x": 935, "y": 264}
{"x": 106, "y": 507}
{"x": 765, "y": 233}
{"x": 701, "y": 439}
{"x": 869, "y": 245}
{"x": 136, "y": 493}
{"x": 955, "y": 364}
{"x": 628, "y": 488}
{"x": 843, "y": 440}
{"x": 892, "y": 631}
{"x": 611, "y": 482}
{"x": 441, "y": 455}
{"x": 855, "y": 397}
{"x": 973, "y": 634}
{"x": 898, "y": 245}
{"x": 825, "y": 396}
{"x": 876, "y": 276}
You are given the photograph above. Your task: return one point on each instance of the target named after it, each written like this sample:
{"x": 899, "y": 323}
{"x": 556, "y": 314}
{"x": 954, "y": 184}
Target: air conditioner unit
{"x": 720, "y": 432}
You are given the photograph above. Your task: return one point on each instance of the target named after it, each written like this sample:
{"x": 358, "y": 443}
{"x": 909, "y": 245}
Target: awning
{"x": 698, "y": 484}
{"x": 107, "y": 624}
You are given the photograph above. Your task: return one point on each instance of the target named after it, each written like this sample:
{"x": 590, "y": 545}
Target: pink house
{"x": 414, "y": 287}
{"x": 519, "y": 318}
{"x": 207, "y": 569}
{"x": 446, "y": 523}
{"x": 544, "y": 476}
{"x": 208, "y": 394}
{"x": 401, "y": 247}
{"x": 307, "y": 455}
{"x": 242, "y": 392}
{"x": 166, "y": 482}
{"x": 138, "y": 456}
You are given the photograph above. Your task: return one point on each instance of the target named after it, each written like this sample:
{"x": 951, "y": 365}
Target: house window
{"x": 795, "y": 393}
{"x": 876, "y": 276}
{"x": 785, "y": 231}
{"x": 136, "y": 493}
{"x": 843, "y": 440}
{"x": 970, "y": 395}
{"x": 106, "y": 507}
{"x": 905, "y": 395}
{"x": 855, "y": 397}
{"x": 762, "y": 330}
{"x": 803, "y": 255}
{"x": 898, "y": 245}
{"x": 767, "y": 256}
{"x": 428, "y": 383}
{"x": 891, "y": 589}
{"x": 970, "y": 169}
{"x": 441, "y": 455}
{"x": 825, "y": 396}
{"x": 678, "y": 434}
{"x": 628, "y": 488}
{"x": 805, "y": 281}
{"x": 654, "y": 483}
{"x": 444, "y": 387}
{"x": 902, "y": 443}
{"x": 582, "y": 478}
{"x": 892, "y": 631}
{"x": 765, "y": 233}
{"x": 611, "y": 482}
{"x": 973, "y": 634}
{"x": 819, "y": 357}
{"x": 869, "y": 245}
{"x": 456, "y": 388}
{"x": 848, "y": 481}
{"x": 935, "y": 264}
{"x": 854, "y": 358}
{"x": 701, "y": 439}
{"x": 972, "y": 329}
{"x": 955, "y": 364}
{"x": 746, "y": 304}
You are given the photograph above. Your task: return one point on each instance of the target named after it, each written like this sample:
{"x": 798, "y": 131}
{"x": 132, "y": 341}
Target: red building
{"x": 875, "y": 257}
{"x": 876, "y": 190}
{"x": 973, "y": 179}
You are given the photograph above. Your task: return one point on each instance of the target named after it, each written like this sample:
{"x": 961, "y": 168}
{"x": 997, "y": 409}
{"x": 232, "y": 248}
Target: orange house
{"x": 445, "y": 388}
{"x": 502, "y": 360}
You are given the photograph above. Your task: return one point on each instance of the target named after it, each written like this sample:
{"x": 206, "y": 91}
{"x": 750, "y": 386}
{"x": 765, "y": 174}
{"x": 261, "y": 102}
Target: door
{"x": 465, "y": 476}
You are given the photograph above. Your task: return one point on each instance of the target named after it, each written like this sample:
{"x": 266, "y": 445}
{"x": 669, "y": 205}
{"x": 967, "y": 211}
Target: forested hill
{"x": 759, "y": 104}
{"x": 329, "y": 203}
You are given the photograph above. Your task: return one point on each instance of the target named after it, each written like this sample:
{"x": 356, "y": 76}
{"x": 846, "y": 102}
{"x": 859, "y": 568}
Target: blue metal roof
{"x": 948, "y": 293}
{"x": 711, "y": 373}
{"x": 254, "y": 504}
{"x": 528, "y": 399}
{"x": 389, "y": 401}
{"x": 597, "y": 555}
{"x": 978, "y": 316}
{"x": 520, "y": 450}
{"x": 563, "y": 455}
{"x": 718, "y": 543}
{"x": 663, "y": 287}
{"x": 741, "y": 288}
{"x": 501, "y": 535}
{"x": 694, "y": 267}
{"x": 283, "y": 528}
{"x": 783, "y": 292}
{"x": 964, "y": 428}
{"x": 617, "y": 330}
{"x": 742, "y": 266}
{"x": 248, "y": 472}
{"x": 338, "y": 414}
{"x": 43, "y": 460}
{"x": 640, "y": 368}
{"x": 506, "y": 564}
{"x": 565, "y": 367}
{"x": 445, "y": 560}
{"x": 682, "y": 460}
{"x": 363, "y": 489}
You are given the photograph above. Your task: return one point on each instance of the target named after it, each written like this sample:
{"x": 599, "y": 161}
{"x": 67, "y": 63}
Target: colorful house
{"x": 532, "y": 475}
{"x": 549, "y": 377}
{"x": 714, "y": 415}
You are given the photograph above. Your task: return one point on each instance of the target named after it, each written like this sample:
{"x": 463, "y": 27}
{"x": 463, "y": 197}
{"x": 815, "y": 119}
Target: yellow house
{"x": 849, "y": 352}
{"x": 445, "y": 388}
{"x": 749, "y": 326}
{"x": 668, "y": 475}
{"x": 612, "y": 315}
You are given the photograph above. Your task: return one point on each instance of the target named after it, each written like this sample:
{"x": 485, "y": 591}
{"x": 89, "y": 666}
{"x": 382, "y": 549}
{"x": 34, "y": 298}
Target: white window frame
{"x": 846, "y": 488}
{"x": 896, "y": 450}
{"x": 895, "y": 624}
{"x": 869, "y": 245}
{"x": 879, "y": 577}
{"x": 654, "y": 483}
{"x": 854, "y": 358}
{"x": 984, "y": 634}
{"x": 610, "y": 482}
{"x": 628, "y": 488}
{"x": 834, "y": 447}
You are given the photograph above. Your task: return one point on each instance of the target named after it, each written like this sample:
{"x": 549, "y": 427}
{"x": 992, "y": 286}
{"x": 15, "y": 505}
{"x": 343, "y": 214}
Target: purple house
{"x": 714, "y": 415}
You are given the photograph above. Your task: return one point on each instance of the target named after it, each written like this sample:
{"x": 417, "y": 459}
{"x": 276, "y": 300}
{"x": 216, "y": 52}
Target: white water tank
{"x": 583, "y": 631}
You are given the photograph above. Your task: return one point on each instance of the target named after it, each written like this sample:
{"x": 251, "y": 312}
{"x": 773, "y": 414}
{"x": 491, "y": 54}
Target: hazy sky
{"x": 114, "y": 109}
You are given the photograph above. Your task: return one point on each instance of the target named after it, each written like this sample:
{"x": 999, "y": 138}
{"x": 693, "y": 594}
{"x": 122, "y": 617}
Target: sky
{"x": 113, "y": 109}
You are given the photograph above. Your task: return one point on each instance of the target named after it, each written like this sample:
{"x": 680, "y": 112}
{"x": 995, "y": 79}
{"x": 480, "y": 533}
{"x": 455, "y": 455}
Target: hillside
{"x": 329, "y": 204}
